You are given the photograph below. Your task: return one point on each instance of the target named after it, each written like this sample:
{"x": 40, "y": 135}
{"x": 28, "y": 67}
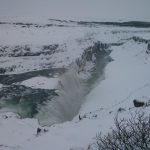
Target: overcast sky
{"x": 78, "y": 9}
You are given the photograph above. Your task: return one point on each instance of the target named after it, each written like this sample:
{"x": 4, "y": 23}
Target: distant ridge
{"x": 138, "y": 24}
{"x": 65, "y": 23}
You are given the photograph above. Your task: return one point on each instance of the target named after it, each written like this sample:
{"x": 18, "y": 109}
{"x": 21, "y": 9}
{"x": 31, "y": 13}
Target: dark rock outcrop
{"x": 137, "y": 103}
{"x": 38, "y": 130}
{"x": 121, "y": 109}
{"x": 139, "y": 39}
{"x": 148, "y": 49}
{"x": 2, "y": 70}
{"x": 27, "y": 50}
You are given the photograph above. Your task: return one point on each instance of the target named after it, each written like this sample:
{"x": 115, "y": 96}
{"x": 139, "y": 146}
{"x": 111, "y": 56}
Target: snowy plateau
{"x": 69, "y": 79}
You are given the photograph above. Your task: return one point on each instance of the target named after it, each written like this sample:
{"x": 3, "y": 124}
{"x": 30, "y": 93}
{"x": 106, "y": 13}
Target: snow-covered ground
{"x": 126, "y": 78}
{"x": 41, "y": 83}
{"x": 1, "y": 86}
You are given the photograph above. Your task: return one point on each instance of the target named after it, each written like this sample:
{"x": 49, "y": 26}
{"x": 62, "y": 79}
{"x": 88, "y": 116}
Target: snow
{"x": 41, "y": 83}
{"x": 1, "y": 86}
{"x": 126, "y": 78}
{"x": 15, "y": 131}
{"x": 72, "y": 40}
{"x": 126, "y": 75}
{"x": 66, "y": 37}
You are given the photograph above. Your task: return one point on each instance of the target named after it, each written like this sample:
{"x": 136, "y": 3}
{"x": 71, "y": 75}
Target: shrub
{"x": 128, "y": 134}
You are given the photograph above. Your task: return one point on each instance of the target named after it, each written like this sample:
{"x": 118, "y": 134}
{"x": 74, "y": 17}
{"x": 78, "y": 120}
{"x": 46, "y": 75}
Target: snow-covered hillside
{"x": 77, "y": 76}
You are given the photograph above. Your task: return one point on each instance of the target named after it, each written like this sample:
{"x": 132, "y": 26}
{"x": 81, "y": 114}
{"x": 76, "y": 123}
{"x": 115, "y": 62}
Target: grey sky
{"x": 78, "y": 9}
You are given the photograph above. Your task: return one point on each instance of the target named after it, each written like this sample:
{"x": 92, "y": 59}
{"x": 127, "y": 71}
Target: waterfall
{"x": 71, "y": 91}
{"x": 72, "y": 87}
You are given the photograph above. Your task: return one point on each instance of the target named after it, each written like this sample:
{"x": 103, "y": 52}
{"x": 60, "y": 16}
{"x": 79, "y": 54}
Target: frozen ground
{"x": 127, "y": 77}
{"x": 41, "y": 83}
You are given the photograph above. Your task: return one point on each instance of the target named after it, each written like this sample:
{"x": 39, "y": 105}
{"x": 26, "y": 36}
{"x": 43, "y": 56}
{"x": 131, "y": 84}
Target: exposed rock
{"x": 41, "y": 130}
{"x": 80, "y": 117}
{"x": 137, "y": 103}
{"x": 120, "y": 109}
{"x": 38, "y": 130}
{"x": 8, "y": 115}
{"x": 27, "y": 50}
{"x": 139, "y": 39}
{"x": 45, "y": 130}
{"x": 2, "y": 70}
{"x": 93, "y": 53}
{"x": 148, "y": 48}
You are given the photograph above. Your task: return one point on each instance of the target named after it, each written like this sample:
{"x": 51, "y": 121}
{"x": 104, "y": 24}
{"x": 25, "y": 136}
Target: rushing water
{"x": 72, "y": 91}
{"x": 56, "y": 105}
{"x": 21, "y": 99}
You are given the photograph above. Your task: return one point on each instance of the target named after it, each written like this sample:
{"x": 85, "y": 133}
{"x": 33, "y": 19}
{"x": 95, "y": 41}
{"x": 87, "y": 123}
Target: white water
{"x": 65, "y": 106}
{"x": 72, "y": 89}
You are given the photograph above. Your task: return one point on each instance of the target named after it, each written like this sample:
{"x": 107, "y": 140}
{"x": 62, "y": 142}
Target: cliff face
{"x": 82, "y": 74}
